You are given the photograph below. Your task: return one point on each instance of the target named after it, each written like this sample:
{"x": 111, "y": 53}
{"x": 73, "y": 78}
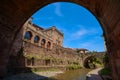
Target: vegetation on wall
{"x": 48, "y": 58}
{"x": 32, "y": 56}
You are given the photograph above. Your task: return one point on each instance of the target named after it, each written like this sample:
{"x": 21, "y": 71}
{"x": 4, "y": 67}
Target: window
{"x": 28, "y": 35}
{"x": 36, "y": 39}
{"x": 43, "y": 42}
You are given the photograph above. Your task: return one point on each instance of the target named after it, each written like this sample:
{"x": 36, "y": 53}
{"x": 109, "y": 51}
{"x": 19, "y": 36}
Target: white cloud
{"x": 58, "y": 9}
{"x": 83, "y": 31}
{"x": 79, "y": 33}
{"x": 92, "y": 44}
{"x": 86, "y": 44}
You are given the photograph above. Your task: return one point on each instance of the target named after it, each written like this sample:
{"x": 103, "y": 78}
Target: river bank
{"x": 94, "y": 74}
{"x": 34, "y": 76}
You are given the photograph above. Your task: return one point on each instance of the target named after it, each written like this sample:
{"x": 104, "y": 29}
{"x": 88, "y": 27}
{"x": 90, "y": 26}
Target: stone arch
{"x": 28, "y": 35}
{"x": 106, "y": 11}
{"x": 48, "y": 45}
{"x": 43, "y": 43}
{"x": 36, "y": 39}
{"x": 87, "y": 60}
{"x": 93, "y": 59}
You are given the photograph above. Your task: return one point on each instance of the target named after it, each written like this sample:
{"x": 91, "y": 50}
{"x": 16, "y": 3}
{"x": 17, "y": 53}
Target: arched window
{"x": 28, "y": 35}
{"x": 36, "y": 39}
{"x": 43, "y": 41}
{"x": 48, "y": 45}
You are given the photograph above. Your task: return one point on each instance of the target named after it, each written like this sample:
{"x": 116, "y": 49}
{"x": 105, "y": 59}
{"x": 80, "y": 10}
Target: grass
{"x": 44, "y": 70}
{"x": 73, "y": 67}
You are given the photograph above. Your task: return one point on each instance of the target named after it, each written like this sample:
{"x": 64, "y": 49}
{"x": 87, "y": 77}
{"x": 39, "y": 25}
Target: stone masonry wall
{"x": 27, "y": 53}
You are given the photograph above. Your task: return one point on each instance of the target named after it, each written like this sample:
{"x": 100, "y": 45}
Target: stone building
{"x": 35, "y": 46}
{"x": 42, "y": 37}
{"x": 82, "y": 51}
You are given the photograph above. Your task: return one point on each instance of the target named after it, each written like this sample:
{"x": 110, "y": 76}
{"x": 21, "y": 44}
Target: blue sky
{"x": 80, "y": 27}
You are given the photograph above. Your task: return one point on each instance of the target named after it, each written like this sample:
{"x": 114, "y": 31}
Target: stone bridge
{"x": 89, "y": 56}
{"x": 14, "y": 13}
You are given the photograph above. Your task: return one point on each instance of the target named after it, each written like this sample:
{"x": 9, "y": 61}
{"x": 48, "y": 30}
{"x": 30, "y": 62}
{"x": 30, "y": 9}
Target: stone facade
{"x": 38, "y": 47}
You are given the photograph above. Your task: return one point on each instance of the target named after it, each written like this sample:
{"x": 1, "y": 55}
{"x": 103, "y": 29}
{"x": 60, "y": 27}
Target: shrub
{"x": 30, "y": 56}
{"x": 106, "y": 60}
{"x": 44, "y": 69}
{"x": 73, "y": 67}
{"x": 97, "y": 60}
{"x": 105, "y": 71}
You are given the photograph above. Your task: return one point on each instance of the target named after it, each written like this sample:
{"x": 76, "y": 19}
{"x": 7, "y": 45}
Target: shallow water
{"x": 67, "y": 75}
{"x": 72, "y": 75}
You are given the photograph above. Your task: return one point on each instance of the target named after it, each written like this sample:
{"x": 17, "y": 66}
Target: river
{"x": 72, "y": 75}
{"x": 79, "y": 74}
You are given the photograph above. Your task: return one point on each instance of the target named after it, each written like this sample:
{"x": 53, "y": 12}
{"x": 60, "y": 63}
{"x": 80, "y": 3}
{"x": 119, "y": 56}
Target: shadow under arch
{"x": 89, "y": 60}
{"x": 103, "y": 9}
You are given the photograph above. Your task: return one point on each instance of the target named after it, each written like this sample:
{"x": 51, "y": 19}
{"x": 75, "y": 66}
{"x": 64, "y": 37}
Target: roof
{"x": 81, "y": 49}
{"x": 45, "y": 29}
{"x": 55, "y": 29}
{"x": 35, "y": 25}
{"x": 38, "y": 27}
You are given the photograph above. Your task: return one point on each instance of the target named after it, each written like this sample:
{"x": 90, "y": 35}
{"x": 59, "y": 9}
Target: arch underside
{"x": 14, "y": 13}
{"x": 85, "y": 62}
{"x": 90, "y": 62}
